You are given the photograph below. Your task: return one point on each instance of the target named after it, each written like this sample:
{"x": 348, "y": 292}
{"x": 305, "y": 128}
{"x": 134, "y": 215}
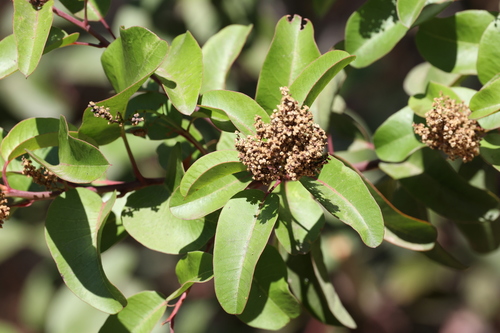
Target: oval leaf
{"x": 72, "y": 231}
{"x": 270, "y": 304}
{"x": 409, "y": 10}
{"x": 59, "y": 38}
{"x": 31, "y": 30}
{"x": 422, "y": 103}
{"x": 372, "y": 31}
{"x": 219, "y": 53}
{"x": 210, "y": 168}
{"x": 141, "y": 314}
{"x": 395, "y": 140}
{"x": 181, "y": 73}
{"x": 490, "y": 149}
{"x": 240, "y": 108}
{"x": 147, "y": 218}
{"x": 79, "y": 161}
{"x": 343, "y": 193}
{"x": 209, "y": 198}
{"x": 314, "y": 78}
{"x": 293, "y": 48}
{"x": 244, "y": 227}
{"x": 452, "y": 43}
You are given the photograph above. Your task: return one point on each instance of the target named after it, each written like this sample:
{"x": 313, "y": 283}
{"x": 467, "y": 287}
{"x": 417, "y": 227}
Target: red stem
{"x": 177, "y": 306}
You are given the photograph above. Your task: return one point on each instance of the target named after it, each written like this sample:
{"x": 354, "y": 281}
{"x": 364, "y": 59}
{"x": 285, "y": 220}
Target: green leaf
{"x": 300, "y": 218}
{"x": 487, "y": 100}
{"x": 293, "y": 48}
{"x": 181, "y": 73}
{"x": 244, "y": 227}
{"x": 219, "y": 53}
{"x": 409, "y": 10}
{"x": 72, "y": 231}
{"x": 488, "y": 52}
{"x": 132, "y": 58}
{"x": 395, "y": 140}
{"x": 432, "y": 8}
{"x": 422, "y": 103}
{"x": 210, "y": 168}
{"x": 79, "y": 161}
{"x": 452, "y": 43}
{"x": 96, "y": 9}
{"x": 432, "y": 180}
{"x": 31, "y": 29}
{"x": 314, "y": 78}
{"x": 8, "y": 56}
{"x": 372, "y": 31}
{"x": 270, "y": 304}
{"x": 311, "y": 285}
{"x": 342, "y": 192}
{"x": 240, "y": 109}
{"x": 490, "y": 149}
{"x": 148, "y": 219}
{"x": 59, "y": 38}
{"x": 209, "y": 198}
{"x": 490, "y": 122}
{"x": 194, "y": 267}
{"x": 141, "y": 314}
{"x": 482, "y": 237}
{"x": 32, "y": 134}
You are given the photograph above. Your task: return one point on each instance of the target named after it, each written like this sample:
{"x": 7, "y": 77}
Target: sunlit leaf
{"x": 422, "y": 103}
{"x": 343, "y": 193}
{"x": 181, "y": 73}
{"x": 293, "y": 48}
{"x": 409, "y": 10}
{"x": 452, "y": 43}
{"x": 487, "y": 100}
{"x": 489, "y": 51}
{"x": 419, "y": 77}
{"x": 244, "y": 227}
{"x": 8, "y": 56}
{"x": 96, "y": 9}
{"x": 59, "y": 38}
{"x": 372, "y": 31}
{"x": 141, "y": 314}
{"x": 219, "y": 53}
{"x": 395, "y": 139}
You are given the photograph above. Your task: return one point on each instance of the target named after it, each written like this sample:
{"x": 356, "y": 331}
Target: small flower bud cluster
{"x": 38, "y": 4}
{"x": 102, "y": 112}
{"x": 4, "y": 209}
{"x": 450, "y": 130}
{"x": 290, "y": 147}
{"x": 41, "y": 176}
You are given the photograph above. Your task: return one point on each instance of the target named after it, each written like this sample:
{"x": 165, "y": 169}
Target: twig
{"x": 177, "y": 306}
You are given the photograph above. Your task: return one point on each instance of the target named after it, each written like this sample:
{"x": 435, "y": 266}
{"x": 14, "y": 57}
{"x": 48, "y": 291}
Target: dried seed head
{"x": 289, "y": 147}
{"x": 136, "y": 119}
{"x": 4, "y": 209}
{"x": 41, "y": 176}
{"x": 102, "y": 112}
{"x": 450, "y": 130}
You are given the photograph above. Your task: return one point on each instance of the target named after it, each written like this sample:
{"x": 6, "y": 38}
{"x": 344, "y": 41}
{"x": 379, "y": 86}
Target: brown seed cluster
{"x": 450, "y": 130}
{"x": 4, "y": 209}
{"x": 102, "y": 112}
{"x": 290, "y": 147}
{"x": 41, "y": 176}
{"x": 38, "y": 4}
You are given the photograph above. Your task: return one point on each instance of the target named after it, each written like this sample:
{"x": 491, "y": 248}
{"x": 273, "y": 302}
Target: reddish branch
{"x": 177, "y": 306}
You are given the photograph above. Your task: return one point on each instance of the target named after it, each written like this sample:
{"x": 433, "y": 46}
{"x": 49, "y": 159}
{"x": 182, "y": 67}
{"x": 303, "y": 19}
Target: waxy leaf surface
{"x": 141, "y": 314}
{"x": 487, "y": 100}
{"x": 244, "y": 227}
{"x": 219, "y": 53}
{"x": 342, "y": 192}
{"x": 31, "y": 30}
{"x": 293, "y": 48}
{"x": 181, "y": 73}
{"x": 489, "y": 52}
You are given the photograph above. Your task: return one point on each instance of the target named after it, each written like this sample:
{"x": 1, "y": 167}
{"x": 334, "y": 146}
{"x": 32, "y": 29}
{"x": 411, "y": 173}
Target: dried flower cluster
{"x": 290, "y": 147}
{"x": 102, "y": 112}
{"x": 450, "y": 130}
{"x": 41, "y": 176}
{"x": 4, "y": 209}
{"x": 38, "y": 4}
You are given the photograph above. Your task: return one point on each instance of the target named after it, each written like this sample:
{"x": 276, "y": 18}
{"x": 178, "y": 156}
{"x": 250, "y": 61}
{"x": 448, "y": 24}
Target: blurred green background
{"x": 387, "y": 289}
